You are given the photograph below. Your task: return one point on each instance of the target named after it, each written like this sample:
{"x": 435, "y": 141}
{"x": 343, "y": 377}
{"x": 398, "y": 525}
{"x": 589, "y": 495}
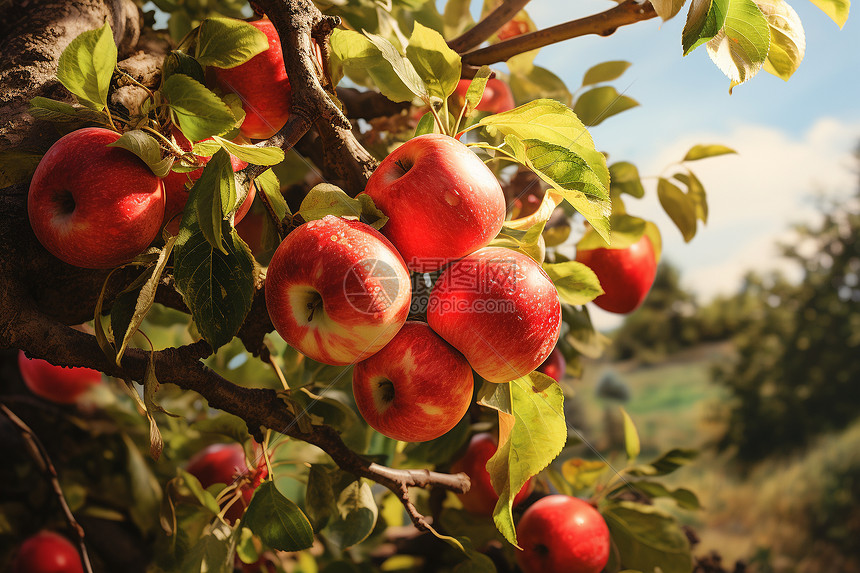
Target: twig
{"x": 39, "y": 454}
{"x": 602, "y": 24}
{"x": 491, "y": 24}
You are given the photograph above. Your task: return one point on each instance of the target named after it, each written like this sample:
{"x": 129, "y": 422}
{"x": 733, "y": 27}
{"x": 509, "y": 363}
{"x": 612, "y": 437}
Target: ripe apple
{"x": 441, "y": 200}
{"x": 626, "y": 275}
{"x": 499, "y": 308}
{"x": 225, "y": 463}
{"x": 94, "y": 206}
{"x": 481, "y": 498}
{"x": 554, "y": 366}
{"x": 47, "y": 552}
{"x": 497, "y": 97}
{"x": 177, "y": 186}
{"x": 263, "y": 86}
{"x": 416, "y": 388}
{"x": 56, "y": 383}
{"x": 562, "y": 534}
{"x": 337, "y": 290}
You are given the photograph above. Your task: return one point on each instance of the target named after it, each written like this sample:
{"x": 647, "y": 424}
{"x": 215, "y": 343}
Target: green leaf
{"x": 704, "y": 21}
{"x": 319, "y": 498}
{"x": 653, "y": 234}
{"x": 605, "y": 72}
{"x": 582, "y": 335}
{"x": 680, "y": 208}
{"x": 401, "y": 65}
{"x": 213, "y": 552}
{"x": 665, "y": 464}
{"x": 205, "y": 498}
{"x": 145, "y": 490}
{"x": 147, "y": 148}
{"x": 355, "y": 517}
{"x": 212, "y": 197}
{"x": 667, "y": 9}
{"x": 217, "y": 287}
{"x": 457, "y": 17}
{"x": 199, "y": 112}
{"x": 475, "y": 91}
{"x": 17, "y": 166}
{"x": 624, "y": 177}
{"x": 353, "y": 53}
{"x": 527, "y": 241}
{"x": 226, "y": 42}
{"x": 326, "y": 199}
{"x": 178, "y": 62}
{"x": 529, "y": 439}
{"x": 685, "y": 498}
{"x": 696, "y": 193}
{"x": 631, "y": 436}
{"x": 647, "y": 538}
{"x": 599, "y": 103}
{"x": 248, "y": 153}
{"x": 626, "y": 231}
{"x": 436, "y": 63}
{"x": 740, "y": 48}
{"x": 268, "y": 183}
{"x": 145, "y": 299}
{"x": 533, "y": 82}
{"x": 61, "y": 112}
{"x": 702, "y": 151}
{"x": 582, "y": 474}
{"x": 223, "y": 424}
{"x": 571, "y": 173}
{"x": 86, "y": 66}
{"x": 575, "y": 282}
{"x": 278, "y": 522}
{"x": 787, "y": 39}
{"x": 836, "y": 9}
{"x": 427, "y": 124}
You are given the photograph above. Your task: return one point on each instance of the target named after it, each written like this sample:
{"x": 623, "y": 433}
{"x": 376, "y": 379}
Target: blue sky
{"x": 794, "y": 138}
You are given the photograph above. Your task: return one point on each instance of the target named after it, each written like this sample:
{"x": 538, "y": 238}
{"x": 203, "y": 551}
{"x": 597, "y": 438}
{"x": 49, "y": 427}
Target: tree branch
{"x": 491, "y": 24}
{"x": 602, "y": 24}
{"x": 39, "y": 454}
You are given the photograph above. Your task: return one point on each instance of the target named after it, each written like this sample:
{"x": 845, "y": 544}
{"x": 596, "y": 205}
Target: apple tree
{"x": 321, "y": 256}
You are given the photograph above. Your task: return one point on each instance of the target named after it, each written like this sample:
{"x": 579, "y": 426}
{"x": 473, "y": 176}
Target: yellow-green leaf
{"x": 787, "y": 39}
{"x": 86, "y": 66}
{"x": 740, "y": 48}
{"x": 836, "y": 9}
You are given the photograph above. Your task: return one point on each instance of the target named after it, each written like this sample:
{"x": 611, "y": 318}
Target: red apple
{"x": 47, "y": 552}
{"x": 94, "y": 206}
{"x": 498, "y": 307}
{"x": 554, "y": 366}
{"x": 441, "y": 200}
{"x": 481, "y": 498}
{"x": 263, "y": 86}
{"x": 416, "y": 388}
{"x": 497, "y": 97}
{"x": 55, "y": 383}
{"x": 337, "y": 290}
{"x": 177, "y": 186}
{"x": 626, "y": 275}
{"x": 225, "y": 463}
{"x": 512, "y": 29}
{"x": 562, "y": 534}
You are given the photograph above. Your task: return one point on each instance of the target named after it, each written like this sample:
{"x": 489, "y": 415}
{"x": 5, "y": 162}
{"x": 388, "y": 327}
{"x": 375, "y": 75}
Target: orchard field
{"x": 320, "y": 286}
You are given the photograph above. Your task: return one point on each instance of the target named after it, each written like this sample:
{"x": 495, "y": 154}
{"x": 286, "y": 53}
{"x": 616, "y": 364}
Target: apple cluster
{"x": 339, "y": 291}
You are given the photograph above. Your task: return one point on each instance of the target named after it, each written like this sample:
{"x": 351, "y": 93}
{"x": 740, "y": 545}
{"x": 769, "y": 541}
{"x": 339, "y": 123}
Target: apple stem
{"x": 314, "y": 305}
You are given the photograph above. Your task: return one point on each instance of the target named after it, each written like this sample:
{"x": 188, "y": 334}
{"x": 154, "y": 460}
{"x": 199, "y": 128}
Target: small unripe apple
{"x": 416, "y": 388}
{"x": 442, "y": 201}
{"x": 626, "y": 275}
{"x": 562, "y": 534}
{"x": 263, "y": 86}
{"x": 554, "y": 366}
{"x": 55, "y": 383}
{"x": 47, "y": 552}
{"x": 500, "y": 309}
{"x": 94, "y": 206}
{"x": 337, "y": 290}
{"x": 481, "y": 498}
{"x": 225, "y": 463}
{"x": 497, "y": 97}
{"x": 515, "y": 27}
